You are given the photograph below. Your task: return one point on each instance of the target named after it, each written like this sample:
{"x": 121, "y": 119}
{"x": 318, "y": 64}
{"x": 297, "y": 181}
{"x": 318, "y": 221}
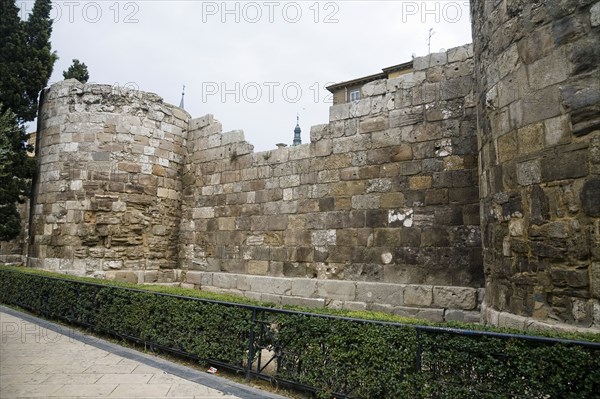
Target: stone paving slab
{"x": 39, "y": 359}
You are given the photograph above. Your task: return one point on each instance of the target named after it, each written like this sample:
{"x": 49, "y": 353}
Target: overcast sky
{"x": 254, "y": 65}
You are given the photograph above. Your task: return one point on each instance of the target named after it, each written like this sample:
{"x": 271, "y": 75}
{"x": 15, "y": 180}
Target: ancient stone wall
{"x": 108, "y": 191}
{"x": 380, "y": 211}
{"x": 538, "y": 76}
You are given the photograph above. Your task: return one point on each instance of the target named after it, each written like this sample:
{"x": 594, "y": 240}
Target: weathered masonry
{"x": 469, "y": 172}
{"x": 379, "y": 211}
{"x": 538, "y": 85}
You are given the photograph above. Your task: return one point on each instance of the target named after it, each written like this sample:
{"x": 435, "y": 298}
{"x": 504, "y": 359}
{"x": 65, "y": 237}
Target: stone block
{"x": 339, "y": 111}
{"x": 531, "y": 139}
{"x": 319, "y": 132}
{"x": 401, "y": 153}
{"x": 270, "y": 285}
{"x": 344, "y": 145}
{"x": 508, "y": 320}
{"x": 425, "y": 93}
{"x": 431, "y": 60}
{"x": 552, "y": 69}
{"x": 456, "y": 87}
{"x": 462, "y": 316}
{"x": 382, "y": 293}
{"x": 323, "y": 147}
{"x": 379, "y": 185}
{"x": 235, "y": 136}
{"x": 455, "y": 297}
{"x": 461, "y": 53}
{"x": 336, "y": 289}
{"x": 406, "y": 116}
{"x": 258, "y": 267}
{"x": 536, "y": 45}
{"x": 199, "y": 123}
{"x": 557, "y": 130}
{"x": 373, "y": 124}
{"x": 529, "y": 172}
{"x": 267, "y": 223}
{"x": 420, "y": 182}
{"x": 369, "y": 201}
{"x": 564, "y": 165}
{"x": 418, "y": 295}
{"x": 538, "y": 106}
{"x": 199, "y": 278}
{"x": 224, "y": 280}
{"x": 590, "y": 197}
{"x": 436, "y": 197}
{"x": 322, "y": 238}
{"x": 303, "y": 287}
{"x": 124, "y": 276}
{"x": 112, "y": 264}
{"x": 392, "y": 200}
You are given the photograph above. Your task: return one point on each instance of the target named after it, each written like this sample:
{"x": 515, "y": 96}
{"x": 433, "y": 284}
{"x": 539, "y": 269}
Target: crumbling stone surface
{"x": 538, "y": 75}
{"x": 107, "y": 196}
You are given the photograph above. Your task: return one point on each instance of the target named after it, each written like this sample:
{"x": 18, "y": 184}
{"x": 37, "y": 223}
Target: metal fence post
{"x": 251, "y": 348}
{"x": 419, "y": 354}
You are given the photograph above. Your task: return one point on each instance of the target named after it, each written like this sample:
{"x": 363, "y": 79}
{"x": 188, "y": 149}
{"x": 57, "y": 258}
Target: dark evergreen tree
{"x": 41, "y": 57}
{"x": 16, "y": 169}
{"x": 26, "y": 63}
{"x": 13, "y": 54}
{"x": 26, "y": 57}
{"x": 77, "y": 70}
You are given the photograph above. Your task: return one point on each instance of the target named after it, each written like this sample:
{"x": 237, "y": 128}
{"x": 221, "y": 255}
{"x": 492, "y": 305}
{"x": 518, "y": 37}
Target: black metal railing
{"x": 330, "y": 355}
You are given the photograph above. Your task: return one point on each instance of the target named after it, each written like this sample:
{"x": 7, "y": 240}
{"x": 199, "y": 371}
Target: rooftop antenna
{"x": 182, "y": 94}
{"x": 431, "y": 33}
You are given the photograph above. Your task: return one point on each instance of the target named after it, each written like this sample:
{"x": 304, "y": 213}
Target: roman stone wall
{"x": 380, "y": 211}
{"x": 495, "y": 145}
{"x": 537, "y": 71}
{"x": 108, "y": 190}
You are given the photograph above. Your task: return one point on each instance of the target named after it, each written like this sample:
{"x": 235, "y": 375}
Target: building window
{"x": 355, "y": 95}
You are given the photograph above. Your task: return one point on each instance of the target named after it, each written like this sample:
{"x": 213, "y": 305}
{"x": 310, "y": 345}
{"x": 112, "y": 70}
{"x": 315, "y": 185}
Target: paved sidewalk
{"x": 39, "y": 359}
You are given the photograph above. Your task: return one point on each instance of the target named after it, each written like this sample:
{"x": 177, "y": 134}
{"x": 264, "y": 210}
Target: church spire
{"x": 182, "y": 94}
{"x": 297, "y": 131}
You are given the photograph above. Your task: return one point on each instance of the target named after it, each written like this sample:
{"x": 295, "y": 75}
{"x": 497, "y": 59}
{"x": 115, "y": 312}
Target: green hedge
{"x": 335, "y": 356}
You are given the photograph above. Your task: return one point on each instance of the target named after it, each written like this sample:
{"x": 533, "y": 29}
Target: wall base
{"x": 436, "y": 303}
{"x": 509, "y": 320}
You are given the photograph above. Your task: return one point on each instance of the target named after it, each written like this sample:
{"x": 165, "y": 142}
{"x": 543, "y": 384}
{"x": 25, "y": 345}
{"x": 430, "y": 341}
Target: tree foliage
{"x": 26, "y": 63}
{"x": 26, "y": 57}
{"x": 16, "y": 169}
{"x": 77, "y": 70}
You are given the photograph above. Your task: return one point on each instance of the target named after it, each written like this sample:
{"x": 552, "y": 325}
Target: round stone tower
{"x": 537, "y": 68}
{"x": 107, "y": 193}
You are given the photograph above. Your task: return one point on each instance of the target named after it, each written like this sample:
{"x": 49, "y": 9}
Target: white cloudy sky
{"x": 254, "y": 65}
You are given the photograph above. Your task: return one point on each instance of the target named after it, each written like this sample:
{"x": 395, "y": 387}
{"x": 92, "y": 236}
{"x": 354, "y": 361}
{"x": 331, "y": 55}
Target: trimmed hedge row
{"x": 333, "y": 356}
